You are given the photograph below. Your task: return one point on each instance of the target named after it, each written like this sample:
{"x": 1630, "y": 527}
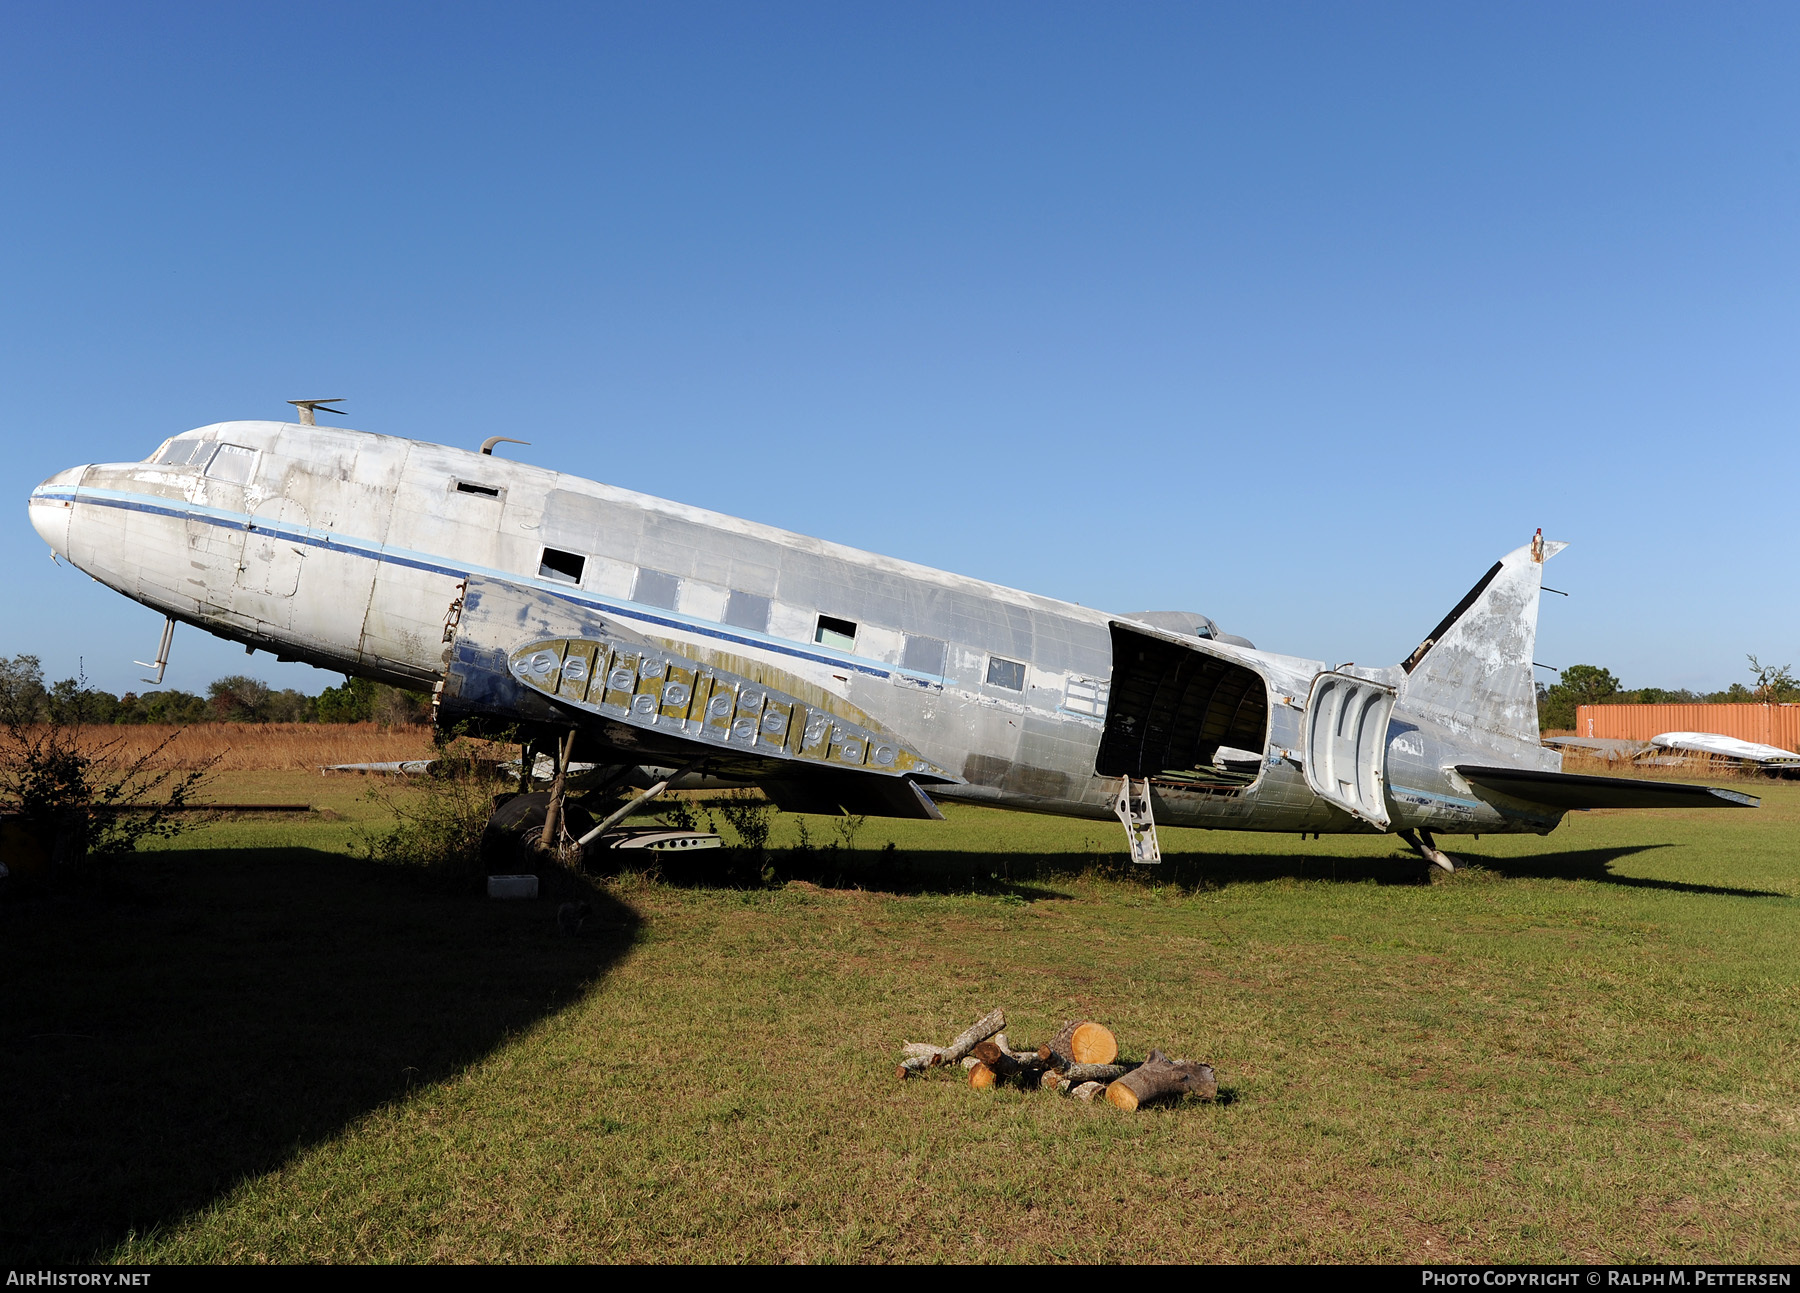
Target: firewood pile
{"x": 1080, "y": 1061}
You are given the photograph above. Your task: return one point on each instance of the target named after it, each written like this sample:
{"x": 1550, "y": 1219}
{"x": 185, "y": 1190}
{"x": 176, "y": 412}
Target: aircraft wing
{"x": 1569, "y": 790}
{"x": 521, "y": 655}
{"x": 1729, "y": 746}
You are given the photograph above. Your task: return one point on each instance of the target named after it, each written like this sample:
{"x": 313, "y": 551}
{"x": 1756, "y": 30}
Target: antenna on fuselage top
{"x": 487, "y": 445}
{"x": 307, "y": 407}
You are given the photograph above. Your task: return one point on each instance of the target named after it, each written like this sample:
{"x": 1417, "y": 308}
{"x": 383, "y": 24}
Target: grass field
{"x": 252, "y": 1046}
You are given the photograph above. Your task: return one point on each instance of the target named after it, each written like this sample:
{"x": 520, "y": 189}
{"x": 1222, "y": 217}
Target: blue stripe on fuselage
{"x": 333, "y": 542}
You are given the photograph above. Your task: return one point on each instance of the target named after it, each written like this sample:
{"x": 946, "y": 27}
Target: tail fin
{"x": 1473, "y": 673}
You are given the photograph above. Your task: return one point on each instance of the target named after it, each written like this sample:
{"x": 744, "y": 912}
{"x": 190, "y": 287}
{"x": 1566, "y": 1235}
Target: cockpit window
{"x": 179, "y": 453}
{"x": 232, "y": 462}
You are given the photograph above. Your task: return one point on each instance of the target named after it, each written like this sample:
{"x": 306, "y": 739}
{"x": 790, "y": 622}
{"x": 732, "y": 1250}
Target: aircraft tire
{"x": 512, "y": 832}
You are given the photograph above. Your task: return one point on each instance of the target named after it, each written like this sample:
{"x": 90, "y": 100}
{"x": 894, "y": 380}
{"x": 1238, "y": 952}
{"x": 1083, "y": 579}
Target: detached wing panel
{"x": 528, "y": 655}
{"x": 1573, "y": 791}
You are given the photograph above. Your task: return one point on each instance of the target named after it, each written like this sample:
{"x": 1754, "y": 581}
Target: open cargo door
{"x": 1346, "y": 744}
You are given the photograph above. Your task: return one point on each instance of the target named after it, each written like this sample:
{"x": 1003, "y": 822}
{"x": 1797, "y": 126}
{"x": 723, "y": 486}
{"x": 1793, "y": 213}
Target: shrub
{"x": 439, "y": 819}
{"x": 82, "y": 793}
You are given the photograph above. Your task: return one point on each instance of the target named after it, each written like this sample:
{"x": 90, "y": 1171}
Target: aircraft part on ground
{"x": 1729, "y": 746}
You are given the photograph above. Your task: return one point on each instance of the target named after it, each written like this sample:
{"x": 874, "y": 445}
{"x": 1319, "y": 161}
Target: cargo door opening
{"x": 1182, "y": 716}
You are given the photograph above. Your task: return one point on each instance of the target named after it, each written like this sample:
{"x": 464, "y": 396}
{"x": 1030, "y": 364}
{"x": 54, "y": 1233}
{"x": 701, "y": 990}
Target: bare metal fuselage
{"x": 350, "y": 551}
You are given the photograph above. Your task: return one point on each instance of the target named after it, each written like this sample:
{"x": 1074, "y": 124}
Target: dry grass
{"x": 1693, "y": 767}
{"x": 267, "y": 747}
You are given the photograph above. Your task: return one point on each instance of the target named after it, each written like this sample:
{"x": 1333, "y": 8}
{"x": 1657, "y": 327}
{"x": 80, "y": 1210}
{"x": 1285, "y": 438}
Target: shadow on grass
{"x": 200, "y": 1016}
{"x": 1596, "y": 865}
{"x": 1033, "y": 877}
{"x": 1029, "y": 877}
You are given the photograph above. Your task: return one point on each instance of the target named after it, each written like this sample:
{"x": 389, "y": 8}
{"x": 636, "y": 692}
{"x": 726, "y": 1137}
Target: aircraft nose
{"x": 51, "y": 504}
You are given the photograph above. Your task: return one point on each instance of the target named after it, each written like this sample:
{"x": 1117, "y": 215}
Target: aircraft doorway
{"x": 1181, "y": 714}
{"x": 1346, "y": 744}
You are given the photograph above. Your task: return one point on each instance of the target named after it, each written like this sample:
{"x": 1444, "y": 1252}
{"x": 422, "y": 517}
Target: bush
{"x": 439, "y": 819}
{"x": 66, "y": 787}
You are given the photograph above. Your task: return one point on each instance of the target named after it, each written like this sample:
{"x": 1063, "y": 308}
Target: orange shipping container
{"x": 1777, "y": 725}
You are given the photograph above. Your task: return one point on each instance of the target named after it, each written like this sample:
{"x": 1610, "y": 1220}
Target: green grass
{"x": 254, "y": 1047}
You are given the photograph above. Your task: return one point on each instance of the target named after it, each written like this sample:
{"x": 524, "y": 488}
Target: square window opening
{"x": 747, "y": 611}
{"x": 923, "y": 655}
{"x": 656, "y": 588}
{"x": 1009, "y": 674}
{"x": 480, "y": 491}
{"x": 563, "y": 567}
{"x": 833, "y": 632}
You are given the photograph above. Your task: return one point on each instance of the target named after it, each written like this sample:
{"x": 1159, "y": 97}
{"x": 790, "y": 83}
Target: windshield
{"x": 179, "y": 452}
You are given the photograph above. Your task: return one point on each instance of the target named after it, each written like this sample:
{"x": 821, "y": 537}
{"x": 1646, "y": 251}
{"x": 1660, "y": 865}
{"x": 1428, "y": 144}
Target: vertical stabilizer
{"x": 1473, "y": 673}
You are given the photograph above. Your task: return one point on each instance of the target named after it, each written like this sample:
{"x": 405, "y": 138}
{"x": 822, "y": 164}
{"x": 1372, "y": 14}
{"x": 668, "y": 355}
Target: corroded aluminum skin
{"x": 350, "y": 551}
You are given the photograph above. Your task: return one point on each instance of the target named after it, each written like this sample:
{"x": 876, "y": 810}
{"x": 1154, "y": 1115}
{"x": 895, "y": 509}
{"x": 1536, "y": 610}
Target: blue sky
{"x": 1296, "y": 315}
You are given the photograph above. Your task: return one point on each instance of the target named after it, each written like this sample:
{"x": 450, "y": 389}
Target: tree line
{"x": 1588, "y": 684}
{"x": 25, "y": 697}
{"x": 241, "y": 699}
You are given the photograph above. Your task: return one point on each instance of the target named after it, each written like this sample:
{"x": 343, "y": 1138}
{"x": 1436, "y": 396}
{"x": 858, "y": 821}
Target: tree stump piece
{"x": 1161, "y": 1078}
{"x": 1088, "y": 1090}
{"x": 981, "y": 1077}
{"x": 1082, "y": 1041}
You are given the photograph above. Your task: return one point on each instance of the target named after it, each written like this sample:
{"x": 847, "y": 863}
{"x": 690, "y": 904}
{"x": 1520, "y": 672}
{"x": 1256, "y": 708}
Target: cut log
{"x": 1088, "y": 1090}
{"x": 1055, "y": 1082}
{"x": 981, "y": 1077}
{"x": 1079, "y": 1073}
{"x": 1023, "y": 1056}
{"x": 979, "y": 1031}
{"x": 927, "y": 1051}
{"x": 968, "y": 1061}
{"x": 1002, "y": 1064}
{"x": 913, "y": 1065}
{"x": 1161, "y": 1078}
{"x": 1082, "y": 1041}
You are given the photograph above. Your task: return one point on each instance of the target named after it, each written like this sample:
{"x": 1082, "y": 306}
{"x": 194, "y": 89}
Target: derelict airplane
{"x": 666, "y": 636}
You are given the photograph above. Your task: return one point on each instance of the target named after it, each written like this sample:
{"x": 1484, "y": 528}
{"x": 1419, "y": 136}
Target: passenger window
{"x": 833, "y": 632}
{"x": 654, "y": 588}
{"x": 231, "y": 462}
{"x": 178, "y": 453}
{"x": 923, "y": 655}
{"x": 563, "y": 567}
{"x": 1009, "y": 674}
{"x": 747, "y": 611}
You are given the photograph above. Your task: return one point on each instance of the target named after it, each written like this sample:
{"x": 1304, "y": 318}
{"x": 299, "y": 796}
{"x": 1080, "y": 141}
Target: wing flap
{"x": 1576, "y": 791}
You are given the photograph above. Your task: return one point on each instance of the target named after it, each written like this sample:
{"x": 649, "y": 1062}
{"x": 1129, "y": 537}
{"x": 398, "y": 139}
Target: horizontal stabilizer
{"x": 1571, "y": 790}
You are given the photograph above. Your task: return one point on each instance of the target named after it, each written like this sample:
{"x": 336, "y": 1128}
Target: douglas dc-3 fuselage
{"x": 835, "y": 679}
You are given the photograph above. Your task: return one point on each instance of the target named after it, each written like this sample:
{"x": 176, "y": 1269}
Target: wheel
{"x": 513, "y": 831}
